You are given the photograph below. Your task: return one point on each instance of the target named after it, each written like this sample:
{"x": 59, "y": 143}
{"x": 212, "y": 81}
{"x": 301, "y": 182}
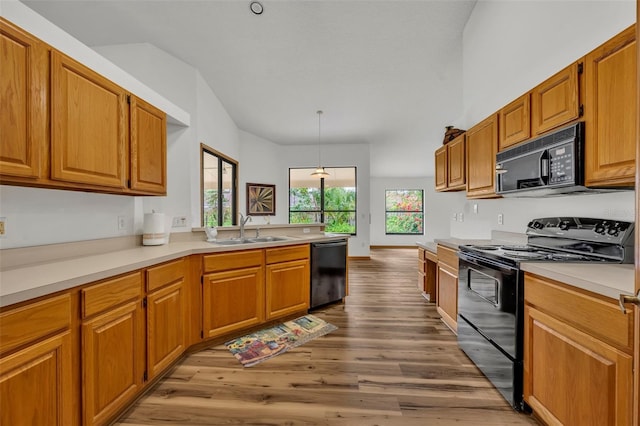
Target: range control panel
{"x": 586, "y": 229}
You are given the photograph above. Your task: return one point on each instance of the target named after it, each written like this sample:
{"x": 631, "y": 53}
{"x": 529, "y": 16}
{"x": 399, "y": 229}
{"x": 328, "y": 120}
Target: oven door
{"x": 488, "y": 299}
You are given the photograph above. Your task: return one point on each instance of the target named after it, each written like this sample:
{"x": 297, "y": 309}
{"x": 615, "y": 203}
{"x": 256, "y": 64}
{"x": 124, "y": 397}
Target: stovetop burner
{"x": 565, "y": 239}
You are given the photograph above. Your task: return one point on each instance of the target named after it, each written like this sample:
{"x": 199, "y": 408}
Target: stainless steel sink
{"x": 237, "y": 241}
{"x": 266, "y": 239}
{"x": 233, "y": 241}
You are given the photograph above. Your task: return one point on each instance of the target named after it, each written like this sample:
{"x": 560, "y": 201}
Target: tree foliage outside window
{"x": 330, "y": 200}
{"x": 219, "y": 188}
{"x": 404, "y": 211}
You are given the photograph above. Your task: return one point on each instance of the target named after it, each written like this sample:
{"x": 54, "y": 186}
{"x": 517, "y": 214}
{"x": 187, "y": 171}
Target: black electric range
{"x": 491, "y": 289}
{"x": 565, "y": 239}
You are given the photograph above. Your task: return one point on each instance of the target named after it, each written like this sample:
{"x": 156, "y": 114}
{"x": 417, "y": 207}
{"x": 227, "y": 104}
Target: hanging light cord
{"x": 319, "y": 112}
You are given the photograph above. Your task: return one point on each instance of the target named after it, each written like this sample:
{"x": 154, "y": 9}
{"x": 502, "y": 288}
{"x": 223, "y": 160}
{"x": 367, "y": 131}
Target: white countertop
{"x": 31, "y": 281}
{"x": 606, "y": 279}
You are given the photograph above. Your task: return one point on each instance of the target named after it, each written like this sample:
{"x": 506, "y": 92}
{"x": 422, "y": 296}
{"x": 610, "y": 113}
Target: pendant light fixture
{"x": 320, "y": 171}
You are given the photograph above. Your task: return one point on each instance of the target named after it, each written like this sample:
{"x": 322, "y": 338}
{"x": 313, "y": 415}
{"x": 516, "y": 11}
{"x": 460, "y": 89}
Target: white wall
{"x": 437, "y": 210}
{"x": 509, "y": 47}
{"x": 261, "y": 163}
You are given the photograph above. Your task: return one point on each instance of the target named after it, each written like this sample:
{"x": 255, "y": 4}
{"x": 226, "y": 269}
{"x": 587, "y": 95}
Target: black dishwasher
{"x": 328, "y": 272}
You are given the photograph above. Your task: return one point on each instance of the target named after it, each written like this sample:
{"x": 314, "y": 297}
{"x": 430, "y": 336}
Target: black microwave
{"x": 549, "y": 165}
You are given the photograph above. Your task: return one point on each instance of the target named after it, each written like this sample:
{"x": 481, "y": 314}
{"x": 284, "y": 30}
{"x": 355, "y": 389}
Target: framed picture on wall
{"x": 261, "y": 199}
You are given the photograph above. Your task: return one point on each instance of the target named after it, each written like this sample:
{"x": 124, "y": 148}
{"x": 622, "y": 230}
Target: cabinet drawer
{"x": 231, "y": 260}
{"x": 31, "y": 322}
{"x": 590, "y": 314}
{"x": 448, "y": 257}
{"x": 165, "y": 274}
{"x": 285, "y": 254}
{"x": 421, "y": 254}
{"x": 108, "y": 294}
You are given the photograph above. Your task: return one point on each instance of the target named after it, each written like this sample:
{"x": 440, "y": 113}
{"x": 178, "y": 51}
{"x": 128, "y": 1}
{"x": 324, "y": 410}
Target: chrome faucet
{"x": 243, "y": 221}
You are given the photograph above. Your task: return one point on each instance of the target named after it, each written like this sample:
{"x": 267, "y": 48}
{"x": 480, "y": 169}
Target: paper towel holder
{"x": 153, "y": 233}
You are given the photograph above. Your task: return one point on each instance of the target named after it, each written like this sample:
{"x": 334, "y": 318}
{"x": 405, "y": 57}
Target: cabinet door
{"x": 456, "y": 173}
{"x": 572, "y": 378}
{"x": 36, "y": 384}
{"x": 148, "y": 148}
{"x": 165, "y": 330}
{"x": 441, "y": 168}
{"x": 24, "y": 92}
{"x": 89, "y": 126}
{"x": 482, "y": 143}
{"x": 288, "y": 288}
{"x": 611, "y": 112}
{"x": 556, "y": 101}
{"x": 112, "y": 361}
{"x": 422, "y": 270}
{"x": 515, "y": 122}
{"x": 447, "y": 304}
{"x": 232, "y": 300}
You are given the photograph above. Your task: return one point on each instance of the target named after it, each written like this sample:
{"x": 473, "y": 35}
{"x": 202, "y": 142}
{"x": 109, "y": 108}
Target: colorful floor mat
{"x": 259, "y": 346}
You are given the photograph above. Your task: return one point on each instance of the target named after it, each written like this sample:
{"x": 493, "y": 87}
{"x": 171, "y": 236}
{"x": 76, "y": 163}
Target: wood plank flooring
{"x": 391, "y": 362}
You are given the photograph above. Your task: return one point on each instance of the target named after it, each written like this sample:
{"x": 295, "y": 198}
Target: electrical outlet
{"x": 122, "y": 222}
{"x": 306, "y": 230}
{"x": 179, "y": 222}
{"x": 500, "y": 219}
{"x": 3, "y": 227}
{"x": 461, "y": 217}
{"x": 475, "y": 208}
{"x": 454, "y": 217}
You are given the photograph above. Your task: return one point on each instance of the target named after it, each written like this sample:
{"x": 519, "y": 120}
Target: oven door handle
{"x": 484, "y": 262}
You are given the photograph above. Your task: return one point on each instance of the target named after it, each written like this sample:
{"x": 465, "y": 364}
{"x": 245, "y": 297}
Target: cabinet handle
{"x": 624, "y": 299}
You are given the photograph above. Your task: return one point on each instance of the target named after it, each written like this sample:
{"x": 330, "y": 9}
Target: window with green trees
{"x": 219, "y": 182}
{"x": 404, "y": 211}
{"x": 330, "y": 200}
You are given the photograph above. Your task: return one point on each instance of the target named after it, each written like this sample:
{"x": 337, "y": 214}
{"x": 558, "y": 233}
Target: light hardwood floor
{"x": 391, "y": 362}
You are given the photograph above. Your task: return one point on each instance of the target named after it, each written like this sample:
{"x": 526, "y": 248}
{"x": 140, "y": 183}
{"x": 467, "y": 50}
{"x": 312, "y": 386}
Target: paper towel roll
{"x": 153, "y": 229}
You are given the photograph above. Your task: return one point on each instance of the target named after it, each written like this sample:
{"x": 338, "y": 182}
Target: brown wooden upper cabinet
{"x": 482, "y": 144}
{"x": 611, "y": 112}
{"x": 441, "y": 168}
{"x": 24, "y": 84}
{"x": 95, "y": 136}
{"x": 89, "y": 126}
{"x": 515, "y": 122}
{"x": 148, "y": 148}
{"x": 451, "y": 166}
{"x": 556, "y": 101}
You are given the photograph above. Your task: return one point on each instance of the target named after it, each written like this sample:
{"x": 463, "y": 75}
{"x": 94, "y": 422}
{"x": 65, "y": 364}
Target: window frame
{"x": 322, "y": 210}
{"x": 205, "y": 149}
{"x": 386, "y": 212}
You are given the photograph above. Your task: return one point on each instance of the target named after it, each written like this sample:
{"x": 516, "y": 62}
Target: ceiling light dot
{"x": 256, "y": 8}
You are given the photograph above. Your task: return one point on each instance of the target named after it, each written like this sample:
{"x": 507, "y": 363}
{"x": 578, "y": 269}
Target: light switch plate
{"x": 500, "y": 219}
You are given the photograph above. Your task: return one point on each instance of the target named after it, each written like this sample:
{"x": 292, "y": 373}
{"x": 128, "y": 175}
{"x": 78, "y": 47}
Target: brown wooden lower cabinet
{"x": 287, "y": 281}
{"x": 447, "y": 286}
{"x": 232, "y": 291}
{"x": 427, "y": 271}
{"x": 232, "y": 300}
{"x": 83, "y": 356}
{"x": 165, "y": 331}
{"x": 36, "y": 366}
{"x": 36, "y": 386}
{"x": 574, "y": 373}
{"x": 166, "y": 315}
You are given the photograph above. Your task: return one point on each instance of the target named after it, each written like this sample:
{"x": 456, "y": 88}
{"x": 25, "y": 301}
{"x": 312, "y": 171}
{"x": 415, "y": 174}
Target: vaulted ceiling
{"x": 386, "y": 73}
